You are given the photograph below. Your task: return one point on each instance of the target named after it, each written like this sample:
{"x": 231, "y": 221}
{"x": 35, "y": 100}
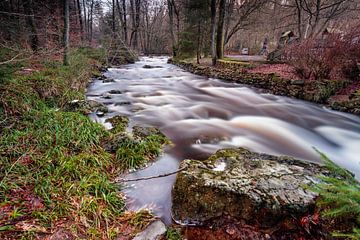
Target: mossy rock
{"x": 261, "y": 189}
{"x": 85, "y": 106}
{"x": 119, "y": 123}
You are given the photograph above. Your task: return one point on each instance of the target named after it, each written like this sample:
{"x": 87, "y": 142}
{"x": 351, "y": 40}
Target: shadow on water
{"x": 201, "y": 115}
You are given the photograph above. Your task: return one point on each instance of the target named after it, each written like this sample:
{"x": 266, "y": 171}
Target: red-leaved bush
{"x": 336, "y": 56}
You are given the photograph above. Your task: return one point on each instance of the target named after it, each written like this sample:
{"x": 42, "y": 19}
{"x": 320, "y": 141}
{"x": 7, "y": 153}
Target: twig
{"x": 12, "y": 59}
{"x": 152, "y": 177}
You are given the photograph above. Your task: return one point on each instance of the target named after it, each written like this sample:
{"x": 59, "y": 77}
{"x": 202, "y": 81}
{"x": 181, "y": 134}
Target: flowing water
{"x": 201, "y": 115}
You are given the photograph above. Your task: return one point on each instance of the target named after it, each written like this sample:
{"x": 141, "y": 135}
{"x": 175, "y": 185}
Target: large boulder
{"x": 259, "y": 189}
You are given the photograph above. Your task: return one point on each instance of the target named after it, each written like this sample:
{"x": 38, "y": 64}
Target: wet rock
{"x": 108, "y": 80}
{"x": 106, "y": 96}
{"x": 153, "y": 232}
{"x": 122, "y": 103}
{"x": 298, "y": 82}
{"x": 260, "y": 189}
{"x": 150, "y": 66}
{"x": 100, "y": 114}
{"x": 85, "y": 106}
{"x": 103, "y": 69}
{"x": 143, "y": 132}
{"x": 119, "y": 123}
{"x": 115, "y": 92}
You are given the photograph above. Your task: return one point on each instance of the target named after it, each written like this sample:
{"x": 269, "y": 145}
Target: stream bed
{"x": 201, "y": 115}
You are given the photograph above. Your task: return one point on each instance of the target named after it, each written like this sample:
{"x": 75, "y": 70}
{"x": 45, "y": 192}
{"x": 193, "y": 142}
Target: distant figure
{"x": 264, "y": 50}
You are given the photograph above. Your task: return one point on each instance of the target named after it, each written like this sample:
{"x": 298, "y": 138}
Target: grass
{"x": 172, "y": 234}
{"x": 54, "y": 171}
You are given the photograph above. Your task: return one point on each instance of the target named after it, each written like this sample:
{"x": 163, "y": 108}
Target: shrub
{"x": 335, "y": 56}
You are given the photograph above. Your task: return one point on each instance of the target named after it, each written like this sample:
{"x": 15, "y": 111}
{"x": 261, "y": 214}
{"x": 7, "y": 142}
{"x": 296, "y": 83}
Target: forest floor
{"x": 57, "y": 172}
{"x": 280, "y": 79}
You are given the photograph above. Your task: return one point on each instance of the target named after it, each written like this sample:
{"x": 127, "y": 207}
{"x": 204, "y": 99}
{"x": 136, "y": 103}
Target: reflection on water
{"x": 201, "y": 115}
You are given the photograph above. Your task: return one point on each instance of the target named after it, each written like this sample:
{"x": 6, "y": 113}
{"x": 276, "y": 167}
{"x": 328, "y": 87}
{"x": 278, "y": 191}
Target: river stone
{"x": 85, "y": 106}
{"x": 150, "y": 66}
{"x": 259, "y": 189}
{"x": 108, "y": 80}
{"x": 153, "y": 232}
{"x": 115, "y": 91}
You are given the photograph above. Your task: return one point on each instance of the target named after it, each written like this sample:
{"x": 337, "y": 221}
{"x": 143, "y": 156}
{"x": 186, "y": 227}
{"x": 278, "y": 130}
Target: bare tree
{"x": 243, "y": 11}
{"x": 171, "y": 10}
{"x": 28, "y": 9}
{"x": 220, "y": 31}
{"x": 80, "y": 19}
{"x": 66, "y": 32}
{"x": 135, "y": 6}
{"x": 213, "y": 31}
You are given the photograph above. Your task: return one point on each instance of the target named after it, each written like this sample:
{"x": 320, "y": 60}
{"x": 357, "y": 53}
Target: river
{"x": 201, "y": 115}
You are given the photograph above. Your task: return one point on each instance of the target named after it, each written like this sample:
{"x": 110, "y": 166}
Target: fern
{"x": 340, "y": 193}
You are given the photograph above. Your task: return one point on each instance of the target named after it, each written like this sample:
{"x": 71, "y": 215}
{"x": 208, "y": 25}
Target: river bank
{"x": 335, "y": 94}
{"x": 58, "y": 167}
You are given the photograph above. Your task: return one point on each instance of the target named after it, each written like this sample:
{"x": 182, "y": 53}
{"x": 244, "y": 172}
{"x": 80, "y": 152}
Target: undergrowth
{"x": 339, "y": 197}
{"x": 54, "y": 171}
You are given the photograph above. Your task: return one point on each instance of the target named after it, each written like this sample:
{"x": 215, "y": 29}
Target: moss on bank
{"x": 56, "y": 178}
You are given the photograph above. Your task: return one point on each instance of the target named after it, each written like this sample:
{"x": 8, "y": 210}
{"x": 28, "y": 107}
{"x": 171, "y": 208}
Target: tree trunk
{"x": 132, "y": 15}
{"x": 213, "y": 31}
{"x": 125, "y": 22}
{"x": 220, "y": 31}
{"x": 171, "y": 26}
{"x": 198, "y": 44}
{"x": 299, "y": 17}
{"x": 66, "y": 32}
{"x": 34, "y": 40}
{"x": 85, "y": 19}
{"x": 135, "y": 16}
{"x": 113, "y": 26}
{"x": 80, "y": 20}
{"x": 137, "y": 23}
{"x": 91, "y": 21}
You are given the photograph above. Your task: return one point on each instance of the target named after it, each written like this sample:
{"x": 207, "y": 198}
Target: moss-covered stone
{"x": 119, "y": 123}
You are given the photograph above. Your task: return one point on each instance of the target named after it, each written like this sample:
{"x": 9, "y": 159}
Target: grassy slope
{"x": 54, "y": 172}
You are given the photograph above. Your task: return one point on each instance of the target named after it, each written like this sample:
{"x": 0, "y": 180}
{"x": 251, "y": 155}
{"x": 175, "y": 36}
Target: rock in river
{"x": 260, "y": 189}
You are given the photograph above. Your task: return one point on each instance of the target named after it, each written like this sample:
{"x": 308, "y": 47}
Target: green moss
{"x": 119, "y": 123}
{"x": 136, "y": 152}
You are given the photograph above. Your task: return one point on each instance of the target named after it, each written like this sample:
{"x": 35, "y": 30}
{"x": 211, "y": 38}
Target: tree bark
{"x": 85, "y": 19}
{"x": 28, "y": 9}
{"x": 213, "y": 32}
{"x": 198, "y": 48}
{"x": 135, "y": 16}
{"x": 113, "y": 25}
{"x": 66, "y": 32}
{"x": 171, "y": 26}
{"x": 80, "y": 20}
{"x": 220, "y": 31}
{"x": 125, "y": 22}
{"x": 91, "y": 21}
